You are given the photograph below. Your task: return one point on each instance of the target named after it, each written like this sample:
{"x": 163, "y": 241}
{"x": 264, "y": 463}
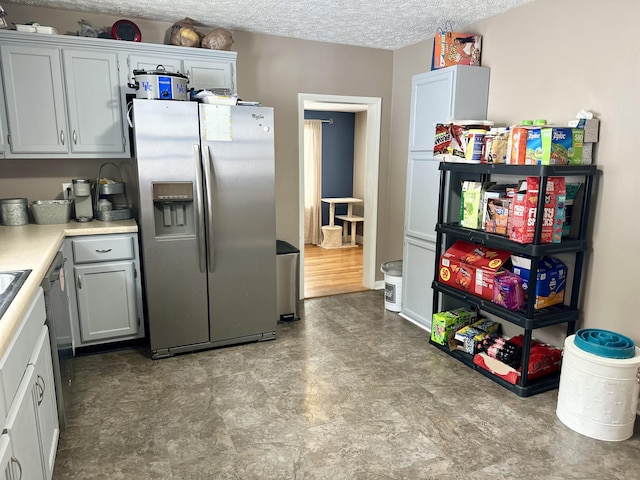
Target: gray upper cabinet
{"x": 54, "y": 111}
{"x": 34, "y": 96}
{"x": 66, "y": 96}
{"x": 207, "y": 75}
{"x": 203, "y": 73}
{"x": 93, "y": 97}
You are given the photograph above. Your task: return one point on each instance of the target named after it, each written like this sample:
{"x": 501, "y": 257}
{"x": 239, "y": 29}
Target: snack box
{"x": 471, "y": 203}
{"x": 551, "y": 279}
{"x": 471, "y": 268}
{"x": 444, "y": 323}
{"x": 522, "y": 212}
{"x": 468, "y": 338}
{"x": 495, "y": 208}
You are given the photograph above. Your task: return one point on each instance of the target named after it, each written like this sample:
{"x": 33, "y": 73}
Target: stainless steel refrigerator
{"x": 207, "y": 219}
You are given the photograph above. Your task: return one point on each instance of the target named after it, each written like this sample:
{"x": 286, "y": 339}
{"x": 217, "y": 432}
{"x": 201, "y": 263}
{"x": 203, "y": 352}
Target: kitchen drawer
{"x": 102, "y": 249}
{"x": 15, "y": 359}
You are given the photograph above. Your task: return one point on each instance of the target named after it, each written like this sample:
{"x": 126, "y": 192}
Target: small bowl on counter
{"x": 49, "y": 212}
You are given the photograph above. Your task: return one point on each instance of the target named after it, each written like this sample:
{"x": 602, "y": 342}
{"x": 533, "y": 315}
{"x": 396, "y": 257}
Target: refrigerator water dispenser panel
{"x": 174, "y": 213}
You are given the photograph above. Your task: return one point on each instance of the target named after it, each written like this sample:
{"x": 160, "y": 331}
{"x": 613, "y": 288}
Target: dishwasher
{"x": 59, "y": 323}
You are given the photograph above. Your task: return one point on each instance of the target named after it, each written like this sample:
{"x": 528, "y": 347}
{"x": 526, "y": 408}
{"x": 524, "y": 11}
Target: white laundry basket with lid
{"x": 392, "y": 285}
{"x": 599, "y": 385}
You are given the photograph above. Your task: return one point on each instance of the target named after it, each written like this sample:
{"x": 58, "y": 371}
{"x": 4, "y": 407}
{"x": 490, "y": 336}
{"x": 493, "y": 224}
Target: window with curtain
{"x": 312, "y": 181}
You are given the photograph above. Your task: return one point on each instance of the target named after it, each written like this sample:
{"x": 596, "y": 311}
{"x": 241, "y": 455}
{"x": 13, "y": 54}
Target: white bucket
{"x": 392, "y": 285}
{"x": 598, "y": 396}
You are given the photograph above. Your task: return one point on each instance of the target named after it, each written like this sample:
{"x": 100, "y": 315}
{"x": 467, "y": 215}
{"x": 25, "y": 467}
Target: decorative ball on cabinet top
{"x": 218, "y": 39}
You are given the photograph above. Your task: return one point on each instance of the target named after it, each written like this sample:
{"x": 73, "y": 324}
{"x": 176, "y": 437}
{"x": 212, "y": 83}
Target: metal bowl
{"x": 117, "y": 213}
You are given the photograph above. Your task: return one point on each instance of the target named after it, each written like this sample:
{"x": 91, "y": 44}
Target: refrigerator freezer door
{"x": 167, "y": 150}
{"x": 242, "y": 247}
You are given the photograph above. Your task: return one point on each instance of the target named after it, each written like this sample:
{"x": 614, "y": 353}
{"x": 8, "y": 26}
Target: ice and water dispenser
{"x": 174, "y": 212}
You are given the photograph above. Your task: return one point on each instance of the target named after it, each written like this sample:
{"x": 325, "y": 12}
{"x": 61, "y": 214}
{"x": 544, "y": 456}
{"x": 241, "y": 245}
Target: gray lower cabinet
{"x": 105, "y": 290}
{"x": 31, "y": 431}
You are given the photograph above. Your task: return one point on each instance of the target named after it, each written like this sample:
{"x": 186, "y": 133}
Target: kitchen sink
{"x": 10, "y": 283}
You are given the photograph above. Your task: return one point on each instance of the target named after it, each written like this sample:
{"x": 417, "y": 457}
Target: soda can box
{"x": 444, "y": 323}
{"x": 551, "y": 279}
{"x": 471, "y": 268}
{"x": 468, "y": 338}
{"x": 523, "y": 211}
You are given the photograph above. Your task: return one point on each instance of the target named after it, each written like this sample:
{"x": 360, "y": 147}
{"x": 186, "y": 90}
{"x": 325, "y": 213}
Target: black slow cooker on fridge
{"x": 159, "y": 84}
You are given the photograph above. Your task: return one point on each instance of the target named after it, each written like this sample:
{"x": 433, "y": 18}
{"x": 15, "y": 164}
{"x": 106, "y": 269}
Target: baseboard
{"x": 379, "y": 285}
{"x": 417, "y": 324}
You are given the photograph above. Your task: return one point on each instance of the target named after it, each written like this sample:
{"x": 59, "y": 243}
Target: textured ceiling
{"x": 385, "y": 24}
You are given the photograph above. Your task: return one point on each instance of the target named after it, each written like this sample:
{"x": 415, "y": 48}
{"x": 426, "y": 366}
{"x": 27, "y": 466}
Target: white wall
{"x": 549, "y": 59}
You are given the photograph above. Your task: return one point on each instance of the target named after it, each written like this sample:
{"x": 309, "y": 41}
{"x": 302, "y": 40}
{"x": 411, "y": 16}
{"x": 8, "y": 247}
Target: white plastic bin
{"x": 392, "y": 285}
{"x": 598, "y": 396}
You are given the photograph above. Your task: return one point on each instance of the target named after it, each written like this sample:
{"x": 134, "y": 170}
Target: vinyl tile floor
{"x": 350, "y": 391}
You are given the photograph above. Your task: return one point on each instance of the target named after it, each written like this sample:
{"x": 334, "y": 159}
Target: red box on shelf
{"x": 471, "y": 268}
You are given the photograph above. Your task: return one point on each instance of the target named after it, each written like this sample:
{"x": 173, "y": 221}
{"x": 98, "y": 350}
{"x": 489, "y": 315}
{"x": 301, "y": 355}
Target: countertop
{"x": 33, "y": 247}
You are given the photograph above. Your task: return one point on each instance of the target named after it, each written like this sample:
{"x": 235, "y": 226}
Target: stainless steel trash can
{"x": 287, "y": 280}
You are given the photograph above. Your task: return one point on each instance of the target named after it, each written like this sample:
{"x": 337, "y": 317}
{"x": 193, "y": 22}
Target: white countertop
{"x": 33, "y": 247}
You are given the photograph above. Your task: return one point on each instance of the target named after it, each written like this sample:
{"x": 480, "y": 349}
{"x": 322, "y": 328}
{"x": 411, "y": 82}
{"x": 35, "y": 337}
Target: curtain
{"x": 312, "y": 181}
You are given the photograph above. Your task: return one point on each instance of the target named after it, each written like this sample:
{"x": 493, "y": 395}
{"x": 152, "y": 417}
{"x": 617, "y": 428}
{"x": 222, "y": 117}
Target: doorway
{"x": 370, "y": 110}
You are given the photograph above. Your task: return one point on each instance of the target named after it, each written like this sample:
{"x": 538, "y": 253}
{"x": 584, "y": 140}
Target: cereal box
{"x": 551, "y": 279}
{"x": 522, "y": 212}
{"x": 455, "y": 48}
{"x": 471, "y": 268}
{"x": 444, "y": 323}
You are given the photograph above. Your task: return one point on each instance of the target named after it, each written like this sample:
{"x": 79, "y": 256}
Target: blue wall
{"x": 337, "y": 157}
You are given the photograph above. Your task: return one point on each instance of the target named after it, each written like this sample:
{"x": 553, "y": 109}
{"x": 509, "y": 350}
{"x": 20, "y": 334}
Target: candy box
{"x": 551, "y": 279}
{"x": 470, "y": 267}
{"x": 443, "y": 323}
{"x": 523, "y": 209}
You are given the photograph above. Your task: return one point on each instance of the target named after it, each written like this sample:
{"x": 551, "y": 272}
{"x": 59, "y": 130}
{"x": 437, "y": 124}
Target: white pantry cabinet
{"x": 460, "y": 92}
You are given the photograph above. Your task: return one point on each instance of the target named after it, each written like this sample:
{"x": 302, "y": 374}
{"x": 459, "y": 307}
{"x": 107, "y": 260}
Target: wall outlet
{"x": 67, "y": 191}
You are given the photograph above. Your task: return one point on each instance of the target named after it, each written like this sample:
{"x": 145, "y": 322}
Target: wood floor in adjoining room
{"x": 332, "y": 271}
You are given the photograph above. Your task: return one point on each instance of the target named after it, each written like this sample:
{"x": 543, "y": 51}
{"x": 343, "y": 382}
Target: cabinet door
{"x": 22, "y": 428}
{"x": 6, "y": 454}
{"x": 147, "y": 62}
{"x": 205, "y": 74}
{"x": 93, "y": 96}
{"x": 34, "y": 99}
{"x": 45, "y": 398}
{"x": 106, "y": 296}
{"x": 423, "y": 192}
{"x": 417, "y": 274}
{"x": 431, "y": 102}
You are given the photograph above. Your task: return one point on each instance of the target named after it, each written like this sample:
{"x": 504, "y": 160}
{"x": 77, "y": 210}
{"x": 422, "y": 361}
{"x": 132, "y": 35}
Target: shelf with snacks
{"x": 530, "y": 315}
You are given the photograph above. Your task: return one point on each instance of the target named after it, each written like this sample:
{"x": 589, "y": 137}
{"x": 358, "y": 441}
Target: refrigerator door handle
{"x": 209, "y": 205}
{"x": 199, "y": 212}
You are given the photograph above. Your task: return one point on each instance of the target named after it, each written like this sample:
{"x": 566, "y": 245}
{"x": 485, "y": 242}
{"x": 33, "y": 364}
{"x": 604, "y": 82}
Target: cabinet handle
{"x": 79, "y": 281}
{"x": 103, "y": 250}
{"x": 15, "y": 460}
{"x": 41, "y": 389}
{"x": 75, "y": 138}
{"x": 62, "y": 136}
